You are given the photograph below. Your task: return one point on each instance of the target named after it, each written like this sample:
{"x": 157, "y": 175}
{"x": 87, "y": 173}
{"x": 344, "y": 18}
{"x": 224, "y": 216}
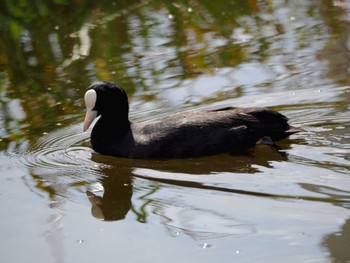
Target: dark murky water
{"x": 61, "y": 202}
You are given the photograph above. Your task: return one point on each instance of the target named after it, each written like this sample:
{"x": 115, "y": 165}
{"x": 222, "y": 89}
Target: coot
{"x": 185, "y": 134}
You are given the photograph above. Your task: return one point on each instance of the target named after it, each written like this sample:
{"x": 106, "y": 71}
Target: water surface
{"x": 62, "y": 202}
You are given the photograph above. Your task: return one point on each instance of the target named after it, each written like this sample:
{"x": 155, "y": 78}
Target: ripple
{"x": 64, "y": 152}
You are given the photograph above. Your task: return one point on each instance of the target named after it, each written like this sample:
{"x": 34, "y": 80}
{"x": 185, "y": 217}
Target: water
{"x": 267, "y": 205}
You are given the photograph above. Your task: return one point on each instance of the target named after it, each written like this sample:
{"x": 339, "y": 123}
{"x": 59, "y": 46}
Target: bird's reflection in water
{"x": 117, "y": 177}
{"x": 116, "y": 200}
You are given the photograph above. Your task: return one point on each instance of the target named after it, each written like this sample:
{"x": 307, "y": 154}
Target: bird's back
{"x": 204, "y": 132}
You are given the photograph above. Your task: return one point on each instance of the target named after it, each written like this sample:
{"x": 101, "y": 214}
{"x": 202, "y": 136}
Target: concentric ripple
{"x": 60, "y": 157}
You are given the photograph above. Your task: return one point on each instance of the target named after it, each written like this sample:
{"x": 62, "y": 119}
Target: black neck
{"x": 112, "y": 125}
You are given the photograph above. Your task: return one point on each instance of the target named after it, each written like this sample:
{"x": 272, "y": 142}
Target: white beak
{"x": 90, "y": 102}
{"x": 89, "y": 118}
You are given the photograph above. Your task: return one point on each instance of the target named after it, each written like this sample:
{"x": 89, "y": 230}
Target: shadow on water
{"x": 117, "y": 176}
{"x": 339, "y": 243}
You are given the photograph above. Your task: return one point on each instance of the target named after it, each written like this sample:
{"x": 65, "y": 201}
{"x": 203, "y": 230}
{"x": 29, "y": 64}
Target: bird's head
{"x": 106, "y": 99}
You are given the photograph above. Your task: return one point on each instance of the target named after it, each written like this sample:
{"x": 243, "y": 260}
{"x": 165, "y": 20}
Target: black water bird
{"x": 185, "y": 134}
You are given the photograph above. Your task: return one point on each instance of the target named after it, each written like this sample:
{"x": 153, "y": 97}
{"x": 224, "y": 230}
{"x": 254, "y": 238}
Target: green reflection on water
{"x": 52, "y": 50}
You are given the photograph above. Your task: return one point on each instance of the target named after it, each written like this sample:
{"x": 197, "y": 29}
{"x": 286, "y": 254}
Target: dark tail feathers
{"x": 272, "y": 124}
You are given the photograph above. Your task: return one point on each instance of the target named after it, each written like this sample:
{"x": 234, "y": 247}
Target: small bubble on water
{"x": 189, "y": 9}
{"x": 57, "y": 27}
{"x": 292, "y": 18}
{"x": 80, "y": 241}
{"x": 170, "y": 16}
{"x": 237, "y": 251}
{"x": 206, "y": 245}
